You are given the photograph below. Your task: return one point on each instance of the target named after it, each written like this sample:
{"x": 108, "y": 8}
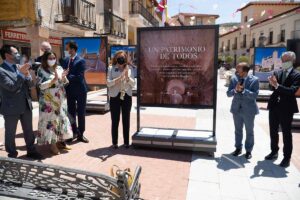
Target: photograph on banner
{"x": 93, "y": 50}
{"x": 177, "y": 67}
{"x": 267, "y": 60}
{"x": 130, "y": 50}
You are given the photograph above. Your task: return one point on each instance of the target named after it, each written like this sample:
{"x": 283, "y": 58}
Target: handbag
{"x": 116, "y": 173}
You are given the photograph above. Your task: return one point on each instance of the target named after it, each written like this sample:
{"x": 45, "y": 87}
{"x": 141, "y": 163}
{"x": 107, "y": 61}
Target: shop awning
{"x": 17, "y": 13}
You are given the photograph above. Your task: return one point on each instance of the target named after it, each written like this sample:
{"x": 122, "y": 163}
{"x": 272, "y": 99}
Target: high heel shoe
{"x": 63, "y": 146}
{"x": 54, "y": 149}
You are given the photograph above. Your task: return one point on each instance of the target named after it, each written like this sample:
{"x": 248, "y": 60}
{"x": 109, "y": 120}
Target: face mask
{"x": 51, "y": 63}
{"x": 67, "y": 54}
{"x": 121, "y": 60}
{"x": 287, "y": 65}
{"x": 17, "y": 58}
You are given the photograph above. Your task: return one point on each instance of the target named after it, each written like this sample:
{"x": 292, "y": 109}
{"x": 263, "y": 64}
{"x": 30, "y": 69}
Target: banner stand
{"x": 173, "y": 138}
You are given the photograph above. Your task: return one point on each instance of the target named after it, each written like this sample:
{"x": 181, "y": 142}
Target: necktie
{"x": 284, "y": 73}
{"x": 70, "y": 62}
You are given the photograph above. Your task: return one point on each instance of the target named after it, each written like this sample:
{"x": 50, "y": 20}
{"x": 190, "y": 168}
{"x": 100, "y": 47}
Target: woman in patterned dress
{"x": 54, "y": 126}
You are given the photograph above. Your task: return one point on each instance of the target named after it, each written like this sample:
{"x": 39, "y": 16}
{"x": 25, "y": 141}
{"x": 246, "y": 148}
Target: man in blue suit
{"x": 244, "y": 89}
{"x": 76, "y": 90}
{"x": 15, "y": 101}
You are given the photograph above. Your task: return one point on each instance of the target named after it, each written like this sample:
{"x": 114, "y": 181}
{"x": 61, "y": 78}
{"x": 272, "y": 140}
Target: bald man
{"x": 282, "y": 105}
{"x": 45, "y": 46}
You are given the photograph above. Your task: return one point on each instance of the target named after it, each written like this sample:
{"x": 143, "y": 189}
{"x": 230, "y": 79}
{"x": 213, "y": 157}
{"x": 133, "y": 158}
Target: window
{"x": 246, "y": 19}
{"x": 271, "y": 37}
{"x": 282, "y": 36}
{"x": 253, "y": 42}
{"x": 244, "y": 41}
{"x": 228, "y": 45}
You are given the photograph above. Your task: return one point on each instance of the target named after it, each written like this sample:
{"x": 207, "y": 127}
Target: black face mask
{"x": 121, "y": 60}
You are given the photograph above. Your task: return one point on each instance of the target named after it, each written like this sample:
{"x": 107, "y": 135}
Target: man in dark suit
{"x": 15, "y": 81}
{"x": 76, "y": 90}
{"x": 282, "y": 105}
{"x": 45, "y": 46}
{"x": 244, "y": 90}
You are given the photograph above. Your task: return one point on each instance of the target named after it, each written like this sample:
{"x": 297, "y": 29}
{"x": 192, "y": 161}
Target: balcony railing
{"x": 296, "y": 34}
{"x": 135, "y": 7}
{"x": 227, "y": 48}
{"x": 80, "y": 13}
{"x": 110, "y": 24}
{"x": 234, "y": 46}
{"x": 221, "y": 49}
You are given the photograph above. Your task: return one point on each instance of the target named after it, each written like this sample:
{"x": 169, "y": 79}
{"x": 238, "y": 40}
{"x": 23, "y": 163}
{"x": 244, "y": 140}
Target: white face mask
{"x": 287, "y": 65}
{"x": 67, "y": 54}
{"x": 51, "y": 63}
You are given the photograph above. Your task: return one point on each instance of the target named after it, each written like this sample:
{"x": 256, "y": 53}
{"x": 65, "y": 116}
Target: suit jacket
{"x": 14, "y": 91}
{"x": 284, "y": 96}
{"x": 77, "y": 84}
{"x": 244, "y": 102}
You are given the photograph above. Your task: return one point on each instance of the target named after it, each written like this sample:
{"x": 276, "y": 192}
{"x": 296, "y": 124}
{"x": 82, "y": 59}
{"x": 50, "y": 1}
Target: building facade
{"x": 116, "y": 19}
{"x": 192, "y": 19}
{"x": 262, "y": 24}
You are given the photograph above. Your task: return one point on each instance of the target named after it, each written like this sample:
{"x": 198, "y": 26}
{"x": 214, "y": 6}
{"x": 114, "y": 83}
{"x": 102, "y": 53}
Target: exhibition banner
{"x": 266, "y": 60}
{"x": 177, "y": 66}
{"x": 93, "y": 50}
{"x": 130, "y": 50}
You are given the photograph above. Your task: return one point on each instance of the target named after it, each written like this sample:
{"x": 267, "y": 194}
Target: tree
{"x": 243, "y": 59}
{"x": 228, "y": 59}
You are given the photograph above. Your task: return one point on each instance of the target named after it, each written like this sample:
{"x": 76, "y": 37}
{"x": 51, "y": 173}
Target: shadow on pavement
{"x": 227, "y": 162}
{"x": 267, "y": 168}
{"x": 107, "y": 152}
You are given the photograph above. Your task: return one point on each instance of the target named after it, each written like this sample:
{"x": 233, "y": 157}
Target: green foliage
{"x": 243, "y": 59}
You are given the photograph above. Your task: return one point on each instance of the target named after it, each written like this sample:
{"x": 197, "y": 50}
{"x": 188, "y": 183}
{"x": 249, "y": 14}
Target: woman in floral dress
{"x": 54, "y": 126}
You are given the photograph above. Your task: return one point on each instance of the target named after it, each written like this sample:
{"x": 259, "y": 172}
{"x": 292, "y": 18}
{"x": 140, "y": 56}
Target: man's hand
{"x": 239, "y": 88}
{"x": 24, "y": 69}
{"x": 273, "y": 81}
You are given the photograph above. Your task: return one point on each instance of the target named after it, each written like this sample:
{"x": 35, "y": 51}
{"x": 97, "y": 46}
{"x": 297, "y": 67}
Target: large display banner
{"x": 94, "y": 51}
{"x": 177, "y": 66}
{"x": 266, "y": 60}
{"x": 130, "y": 50}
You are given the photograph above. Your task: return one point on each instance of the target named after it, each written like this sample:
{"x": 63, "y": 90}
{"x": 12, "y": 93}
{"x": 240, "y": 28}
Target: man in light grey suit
{"x": 244, "y": 89}
{"x": 15, "y": 81}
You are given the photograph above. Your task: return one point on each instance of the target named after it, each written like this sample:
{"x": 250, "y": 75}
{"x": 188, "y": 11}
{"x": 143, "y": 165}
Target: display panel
{"x": 130, "y": 50}
{"x": 177, "y": 66}
{"x": 94, "y": 51}
{"x": 266, "y": 60}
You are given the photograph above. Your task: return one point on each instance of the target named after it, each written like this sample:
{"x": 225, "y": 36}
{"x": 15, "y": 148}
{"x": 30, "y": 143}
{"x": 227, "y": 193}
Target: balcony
{"x": 227, "y": 48}
{"x": 111, "y": 25}
{"x": 79, "y": 13}
{"x": 136, "y": 8}
{"x": 234, "y": 46}
{"x": 221, "y": 49}
{"x": 295, "y": 34}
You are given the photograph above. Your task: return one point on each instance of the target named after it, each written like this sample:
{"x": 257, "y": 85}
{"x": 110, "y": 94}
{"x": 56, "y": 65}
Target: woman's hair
{"x": 45, "y": 57}
{"x": 118, "y": 53}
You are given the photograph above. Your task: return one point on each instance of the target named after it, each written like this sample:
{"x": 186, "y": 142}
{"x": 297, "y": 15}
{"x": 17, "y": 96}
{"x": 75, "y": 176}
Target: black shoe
{"x": 126, "y": 146}
{"x": 248, "y": 155}
{"x": 285, "y": 163}
{"x": 15, "y": 155}
{"x": 115, "y": 146}
{"x": 272, "y": 156}
{"x": 35, "y": 155}
{"x": 236, "y": 152}
{"x": 82, "y": 139}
